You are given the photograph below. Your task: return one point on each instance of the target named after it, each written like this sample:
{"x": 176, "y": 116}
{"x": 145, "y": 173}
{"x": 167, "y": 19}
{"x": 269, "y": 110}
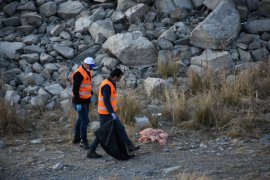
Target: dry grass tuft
{"x": 175, "y": 105}
{"x": 129, "y": 106}
{"x": 10, "y": 122}
{"x": 168, "y": 69}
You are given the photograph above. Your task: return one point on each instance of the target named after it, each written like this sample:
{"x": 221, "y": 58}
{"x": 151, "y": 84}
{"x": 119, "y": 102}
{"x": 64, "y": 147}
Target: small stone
{"x": 58, "y": 166}
{"x": 36, "y": 141}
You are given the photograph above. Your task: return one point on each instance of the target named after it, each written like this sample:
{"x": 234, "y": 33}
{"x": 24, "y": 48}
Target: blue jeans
{"x": 82, "y": 123}
{"x": 120, "y": 127}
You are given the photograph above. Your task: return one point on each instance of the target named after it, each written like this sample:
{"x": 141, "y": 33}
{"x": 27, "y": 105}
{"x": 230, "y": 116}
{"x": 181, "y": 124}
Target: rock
{"x": 31, "y": 58}
{"x": 218, "y": 29}
{"x": 48, "y": 9}
{"x": 165, "y": 7}
{"x": 83, "y": 23}
{"x": 187, "y": 4}
{"x": 33, "y": 49}
{"x": 32, "y": 79}
{"x": 257, "y": 26}
{"x": 26, "y": 29}
{"x": 29, "y": 6}
{"x": 2, "y": 145}
{"x": 12, "y": 21}
{"x": 69, "y": 9}
{"x": 104, "y": 27}
{"x": 125, "y": 4}
{"x": 45, "y": 58}
{"x": 65, "y": 51}
{"x": 56, "y": 30}
{"x": 50, "y": 67}
{"x": 134, "y": 13}
{"x": 11, "y": 49}
{"x": 169, "y": 34}
{"x": 6, "y": 31}
{"x": 264, "y": 7}
{"x": 164, "y": 57}
{"x": 197, "y": 3}
{"x": 39, "y": 101}
{"x": 58, "y": 166}
{"x": 141, "y": 122}
{"x": 252, "y": 5}
{"x": 54, "y": 89}
{"x": 88, "y": 52}
{"x": 212, "y": 4}
{"x": 10, "y": 9}
{"x": 153, "y": 86}
{"x": 31, "y": 39}
{"x": 244, "y": 55}
{"x": 12, "y": 96}
{"x": 36, "y": 141}
{"x": 117, "y": 16}
{"x": 172, "y": 170}
{"x": 214, "y": 60}
{"x": 32, "y": 19}
{"x": 260, "y": 54}
{"x": 109, "y": 62}
{"x": 164, "y": 44}
{"x": 178, "y": 14}
{"x": 132, "y": 49}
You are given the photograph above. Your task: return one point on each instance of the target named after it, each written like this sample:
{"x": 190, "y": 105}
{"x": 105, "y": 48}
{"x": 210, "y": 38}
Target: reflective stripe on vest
{"x": 86, "y": 85}
{"x": 113, "y": 98}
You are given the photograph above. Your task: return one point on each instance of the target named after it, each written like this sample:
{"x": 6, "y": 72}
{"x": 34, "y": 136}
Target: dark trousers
{"x": 82, "y": 123}
{"x": 120, "y": 127}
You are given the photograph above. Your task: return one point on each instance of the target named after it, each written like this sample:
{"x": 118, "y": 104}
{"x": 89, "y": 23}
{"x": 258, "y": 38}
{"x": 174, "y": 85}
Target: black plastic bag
{"x": 111, "y": 142}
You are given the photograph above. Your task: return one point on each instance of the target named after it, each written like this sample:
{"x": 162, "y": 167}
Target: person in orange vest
{"x": 82, "y": 96}
{"x": 107, "y": 106}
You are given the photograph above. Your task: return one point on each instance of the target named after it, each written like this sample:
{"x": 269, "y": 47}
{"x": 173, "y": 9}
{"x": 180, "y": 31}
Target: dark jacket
{"x": 77, "y": 80}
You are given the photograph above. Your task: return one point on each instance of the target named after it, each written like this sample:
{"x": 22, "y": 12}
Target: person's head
{"x": 89, "y": 63}
{"x": 116, "y": 74}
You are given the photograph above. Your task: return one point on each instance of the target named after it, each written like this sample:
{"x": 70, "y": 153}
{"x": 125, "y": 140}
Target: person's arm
{"x": 77, "y": 80}
{"x": 106, "y": 92}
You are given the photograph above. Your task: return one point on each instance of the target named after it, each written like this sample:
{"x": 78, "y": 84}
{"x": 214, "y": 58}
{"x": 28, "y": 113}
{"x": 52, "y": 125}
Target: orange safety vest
{"x": 101, "y": 105}
{"x": 86, "y": 84}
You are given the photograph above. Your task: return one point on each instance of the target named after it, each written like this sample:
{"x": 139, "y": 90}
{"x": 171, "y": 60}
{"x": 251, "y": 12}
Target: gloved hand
{"x": 114, "y": 116}
{"x": 93, "y": 99}
{"x": 78, "y": 107}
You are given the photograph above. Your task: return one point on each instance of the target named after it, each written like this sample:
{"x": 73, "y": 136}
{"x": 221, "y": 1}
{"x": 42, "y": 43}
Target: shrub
{"x": 168, "y": 69}
{"x": 129, "y": 106}
{"x": 10, "y": 122}
{"x": 175, "y": 105}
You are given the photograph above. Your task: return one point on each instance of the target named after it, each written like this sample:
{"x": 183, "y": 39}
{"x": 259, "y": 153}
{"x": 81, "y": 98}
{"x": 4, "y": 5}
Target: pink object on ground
{"x": 150, "y": 134}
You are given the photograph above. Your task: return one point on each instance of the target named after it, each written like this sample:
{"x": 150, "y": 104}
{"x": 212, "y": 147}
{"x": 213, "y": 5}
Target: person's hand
{"x": 93, "y": 99}
{"x": 78, "y": 107}
{"x": 114, "y": 116}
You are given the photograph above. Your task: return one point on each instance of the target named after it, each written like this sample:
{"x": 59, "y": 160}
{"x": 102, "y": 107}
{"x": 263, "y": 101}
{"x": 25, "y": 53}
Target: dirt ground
{"x": 46, "y": 152}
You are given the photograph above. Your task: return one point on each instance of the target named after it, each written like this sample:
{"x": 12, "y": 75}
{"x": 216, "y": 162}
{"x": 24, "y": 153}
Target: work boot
{"x": 93, "y": 154}
{"x": 131, "y": 148}
{"x": 76, "y": 140}
{"x": 84, "y": 144}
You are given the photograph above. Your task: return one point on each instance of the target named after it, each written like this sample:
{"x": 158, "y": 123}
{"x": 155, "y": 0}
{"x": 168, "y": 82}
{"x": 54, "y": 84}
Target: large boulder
{"x": 132, "y": 49}
{"x": 104, "y": 27}
{"x": 69, "y": 9}
{"x": 213, "y": 60}
{"x": 136, "y": 12}
{"x": 218, "y": 29}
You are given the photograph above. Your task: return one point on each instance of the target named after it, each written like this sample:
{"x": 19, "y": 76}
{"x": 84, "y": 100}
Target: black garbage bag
{"x": 110, "y": 141}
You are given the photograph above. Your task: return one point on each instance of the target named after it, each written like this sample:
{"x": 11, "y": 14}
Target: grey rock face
{"x": 214, "y": 60}
{"x": 257, "y": 26}
{"x": 69, "y": 9}
{"x": 48, "y": 9}
{"x": 132, "y": 49}
{"x": 218, "y": 29}
{"x": 104, "y": 27}
{"x": 10, "y": 49}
